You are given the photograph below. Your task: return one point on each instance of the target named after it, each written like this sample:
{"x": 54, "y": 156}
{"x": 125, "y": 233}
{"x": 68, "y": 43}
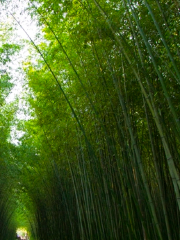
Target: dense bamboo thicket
{"x": 7, "y": 168}
{"x": 100, "y": 156}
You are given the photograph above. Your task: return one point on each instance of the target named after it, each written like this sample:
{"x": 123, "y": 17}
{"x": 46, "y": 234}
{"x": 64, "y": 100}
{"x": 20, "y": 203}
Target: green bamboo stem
{"x": 156, "y": 118}
{"x": 158, "y": 174}
{"x": 176, "y": 120}
{"x": 134, "y": 144}
{"x": 173, "y": 171}
{"x": 163, "y": 40}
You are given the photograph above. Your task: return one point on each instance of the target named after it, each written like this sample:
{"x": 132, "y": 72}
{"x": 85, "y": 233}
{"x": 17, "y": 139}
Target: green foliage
{"x": 100, "y": 155}
{"x": 6, "y": 51}
{"x": 7, "y": 111}
{"x": 107, "y": 128}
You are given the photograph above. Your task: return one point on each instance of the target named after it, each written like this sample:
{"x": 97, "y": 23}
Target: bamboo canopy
{"x": 100, "y": 150}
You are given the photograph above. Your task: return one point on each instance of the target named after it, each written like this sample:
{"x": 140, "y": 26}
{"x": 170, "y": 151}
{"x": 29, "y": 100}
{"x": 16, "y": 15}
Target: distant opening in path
{"x": 21, "y": 234}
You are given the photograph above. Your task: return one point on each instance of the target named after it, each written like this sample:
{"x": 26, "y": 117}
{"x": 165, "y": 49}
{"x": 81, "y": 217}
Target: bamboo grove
{"x": 100, "y": 154}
